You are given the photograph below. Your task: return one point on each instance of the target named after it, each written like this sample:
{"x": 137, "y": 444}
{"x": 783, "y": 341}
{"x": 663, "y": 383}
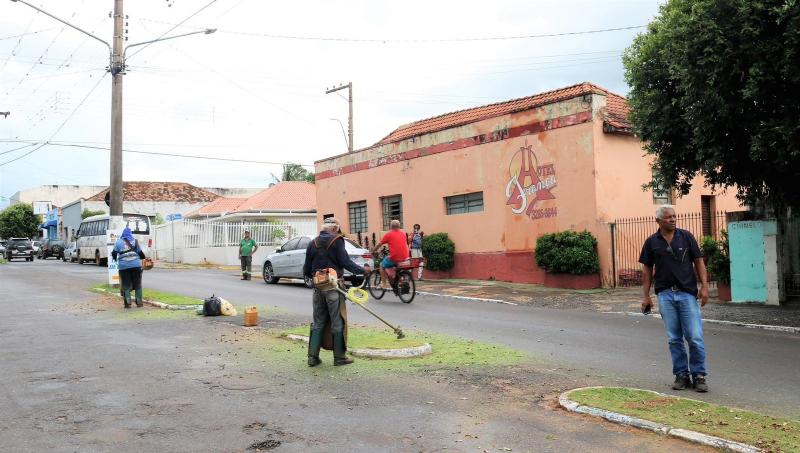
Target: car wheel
{"x": 269, "y": 275}
{"x": 309, "y": 282}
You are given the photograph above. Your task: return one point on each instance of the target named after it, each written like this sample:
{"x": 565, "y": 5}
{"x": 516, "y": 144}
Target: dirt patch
{"x": 268, "y": 444}
{"x": 650, "y": 404}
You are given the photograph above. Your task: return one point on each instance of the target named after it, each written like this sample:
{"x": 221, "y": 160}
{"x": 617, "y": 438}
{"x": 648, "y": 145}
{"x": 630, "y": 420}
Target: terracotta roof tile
{"x": 217, "y": 207}
{"x": 160, "y": 191}
{"x": 616, "y": 111}
{"x": 296, "y": 195}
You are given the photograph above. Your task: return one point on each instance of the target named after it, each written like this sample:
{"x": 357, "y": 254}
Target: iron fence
{"x": 628, "y": 236}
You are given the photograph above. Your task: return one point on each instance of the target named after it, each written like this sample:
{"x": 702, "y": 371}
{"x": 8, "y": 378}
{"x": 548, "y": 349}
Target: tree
{"x": 158, "y": 219}
{"x": 296, "y": 172}
{"x": 18, "y": 221}
{"x": 88, "y": 213}
{"x": 715, "y": 92}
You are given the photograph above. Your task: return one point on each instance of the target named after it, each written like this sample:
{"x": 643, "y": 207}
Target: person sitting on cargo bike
{"x": 403, "y": 283}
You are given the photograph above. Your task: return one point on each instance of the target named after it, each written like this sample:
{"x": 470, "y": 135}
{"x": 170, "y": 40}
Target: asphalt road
{"x": 752, "y": 369}
{"x": 79, "y": 373}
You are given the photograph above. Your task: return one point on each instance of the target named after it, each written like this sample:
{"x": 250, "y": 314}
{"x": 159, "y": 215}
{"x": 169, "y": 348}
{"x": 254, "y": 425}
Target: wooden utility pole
{"x": 349, "y": 87}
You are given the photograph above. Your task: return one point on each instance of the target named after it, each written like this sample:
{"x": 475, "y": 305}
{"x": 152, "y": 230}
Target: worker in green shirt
{"x": 247, "y": 248}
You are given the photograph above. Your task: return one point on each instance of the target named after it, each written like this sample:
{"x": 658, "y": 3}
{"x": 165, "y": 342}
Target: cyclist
{"x": 398, "y": 250}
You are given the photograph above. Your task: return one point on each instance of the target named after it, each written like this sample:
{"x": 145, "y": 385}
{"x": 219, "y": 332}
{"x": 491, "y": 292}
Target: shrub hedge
{"x": 568, "y": 252}
{"x": 439, "y": 252}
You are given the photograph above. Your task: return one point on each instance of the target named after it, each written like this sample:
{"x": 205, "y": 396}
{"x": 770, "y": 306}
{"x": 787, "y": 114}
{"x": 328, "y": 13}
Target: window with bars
{"x": 661, "y": 194}
{"x": 462, "y": 204}
{"x": 392, "y": 210}
{"x": 358, "y": 216}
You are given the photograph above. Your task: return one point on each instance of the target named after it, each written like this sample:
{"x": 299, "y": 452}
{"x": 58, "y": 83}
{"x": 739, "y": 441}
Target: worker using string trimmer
{"x": 326, "y": 259}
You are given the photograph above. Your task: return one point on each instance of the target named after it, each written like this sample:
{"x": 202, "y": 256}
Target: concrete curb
{"x": 402, "y": 353}
{"x": 154, "y": 303}
{"x": 788, "y": 329}
{"x": 627, "y": 420}
{"x": 477, "y": 299}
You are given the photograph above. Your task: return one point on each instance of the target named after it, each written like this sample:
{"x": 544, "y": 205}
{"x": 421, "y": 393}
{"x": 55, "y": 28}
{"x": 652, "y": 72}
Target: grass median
{"x": 772, "y": 434}
{"x": 153, "y": 295}
{"x": 447, "y": 350}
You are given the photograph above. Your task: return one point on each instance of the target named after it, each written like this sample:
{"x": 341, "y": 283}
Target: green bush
{"x": 717, "y": 257}
{"x": 439, "y": 252}
{"x": 568, "y": 252}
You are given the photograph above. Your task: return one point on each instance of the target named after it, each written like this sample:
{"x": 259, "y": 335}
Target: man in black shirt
{"x": 676, "y": 257}
{"x": 328, "y": 251}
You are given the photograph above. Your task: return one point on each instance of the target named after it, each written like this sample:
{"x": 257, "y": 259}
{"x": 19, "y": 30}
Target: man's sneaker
{"x": 682, "y": 382}
{"x": 699, "y": 383}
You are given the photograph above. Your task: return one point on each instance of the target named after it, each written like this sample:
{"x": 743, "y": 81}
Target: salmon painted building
{"x": 497, "y": 177}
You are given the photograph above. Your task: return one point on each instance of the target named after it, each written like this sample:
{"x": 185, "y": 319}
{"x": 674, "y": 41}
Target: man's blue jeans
{"x": 681, "y": 314}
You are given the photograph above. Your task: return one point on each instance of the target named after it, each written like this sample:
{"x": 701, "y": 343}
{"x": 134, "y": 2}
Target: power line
{"x": 59, "y": 127}
{"x": 17, "y": 149}
{"x": 186, "y": 156}
{"x": 173, "y": 28}
{"x": 26, "y": 34}
{"x": 417, "y": 41}
{"x": 166, "y": 154}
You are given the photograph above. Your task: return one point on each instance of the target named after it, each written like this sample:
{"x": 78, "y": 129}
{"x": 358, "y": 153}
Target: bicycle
{"x": 402, "y": 283}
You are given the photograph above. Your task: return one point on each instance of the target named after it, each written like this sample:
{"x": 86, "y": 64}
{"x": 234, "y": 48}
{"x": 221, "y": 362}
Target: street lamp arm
{"x": 207, "y": 31}
{"x": 65, "y": 23}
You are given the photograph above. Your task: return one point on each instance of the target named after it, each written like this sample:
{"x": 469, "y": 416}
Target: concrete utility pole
{"x": 349, "y": 87}
{"x": 116, "y": 68}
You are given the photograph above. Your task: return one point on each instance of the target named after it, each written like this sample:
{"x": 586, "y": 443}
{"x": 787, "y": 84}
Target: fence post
{"x": 613, "y": 227}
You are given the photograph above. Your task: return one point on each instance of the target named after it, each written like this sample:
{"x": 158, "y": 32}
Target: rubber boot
{"x": 139, "y": 298}
{"x": 314, "y": 344}
{"x": 339, "y": 350}
{"x": 244, "y": 276}
{"x": 126, "y": 298}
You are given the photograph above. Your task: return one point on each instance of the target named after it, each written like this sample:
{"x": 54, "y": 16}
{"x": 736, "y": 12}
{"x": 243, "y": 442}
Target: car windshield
{"x": 59, "y": 242}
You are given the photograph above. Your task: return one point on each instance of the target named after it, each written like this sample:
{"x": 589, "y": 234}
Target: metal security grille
{"x": 392, "y": 210}
{"x": 628, "y": 236}
{"x": 462, "y": 204}
{"x": 790, "y": 245}
{"x": 358, "y": 216}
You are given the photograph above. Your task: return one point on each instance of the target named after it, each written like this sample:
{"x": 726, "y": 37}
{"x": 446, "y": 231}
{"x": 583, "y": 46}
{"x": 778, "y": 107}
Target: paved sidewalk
{"x": 605, "y": 300}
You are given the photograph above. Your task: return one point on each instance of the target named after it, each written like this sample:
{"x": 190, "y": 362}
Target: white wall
{"x": 59, "y": 195}
{"x": 228, "y": 256}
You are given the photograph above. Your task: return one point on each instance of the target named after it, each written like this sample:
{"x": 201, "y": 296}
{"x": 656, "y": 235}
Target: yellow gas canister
{"x": 251, "y": 316}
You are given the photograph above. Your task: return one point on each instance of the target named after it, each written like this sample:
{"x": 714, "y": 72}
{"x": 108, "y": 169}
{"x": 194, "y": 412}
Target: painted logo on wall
{"x": 529, "y": 184}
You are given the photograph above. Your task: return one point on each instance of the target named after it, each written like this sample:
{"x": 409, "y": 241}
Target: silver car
{"x": 70, "y": 253}
{"x": 287, "y": 261}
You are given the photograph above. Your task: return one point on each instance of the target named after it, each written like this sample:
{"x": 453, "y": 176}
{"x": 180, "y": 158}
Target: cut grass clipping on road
{"x": 153, "y": 295}
{"x": 447, "y": 350}
{"x": 765, "y": 432}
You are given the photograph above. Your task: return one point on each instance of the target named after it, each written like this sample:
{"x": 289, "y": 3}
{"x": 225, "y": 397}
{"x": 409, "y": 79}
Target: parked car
{"x": 19, "y": 248}
{"x": 287, "y": 261}
{"x": 3, "y": 247}
{"x": 51, "y": 247}
{"x": 70, "y": 253}
{"x": 36, "y": 245}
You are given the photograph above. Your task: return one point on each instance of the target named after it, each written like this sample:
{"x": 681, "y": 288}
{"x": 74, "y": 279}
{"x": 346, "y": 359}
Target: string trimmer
{"x": 359, "y": 296}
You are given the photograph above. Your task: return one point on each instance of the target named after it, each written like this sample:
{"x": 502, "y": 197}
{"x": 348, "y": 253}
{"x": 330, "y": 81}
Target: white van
{"x": 91, "y": 243}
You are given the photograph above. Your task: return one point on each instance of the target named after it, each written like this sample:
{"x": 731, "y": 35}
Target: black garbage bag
{"x": 212, "y": 306}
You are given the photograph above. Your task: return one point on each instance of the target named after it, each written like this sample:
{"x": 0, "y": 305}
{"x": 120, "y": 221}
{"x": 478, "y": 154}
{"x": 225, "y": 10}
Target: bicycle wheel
{"x": 406, "y": 289}
{"x": 374, "y": 285}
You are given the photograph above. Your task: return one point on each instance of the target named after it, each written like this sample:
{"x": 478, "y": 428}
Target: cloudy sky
{"x": 255, "y": 90}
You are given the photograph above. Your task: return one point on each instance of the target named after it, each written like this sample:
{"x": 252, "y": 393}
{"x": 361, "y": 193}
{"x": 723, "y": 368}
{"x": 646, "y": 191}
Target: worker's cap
{"x": 331, "y": 221}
